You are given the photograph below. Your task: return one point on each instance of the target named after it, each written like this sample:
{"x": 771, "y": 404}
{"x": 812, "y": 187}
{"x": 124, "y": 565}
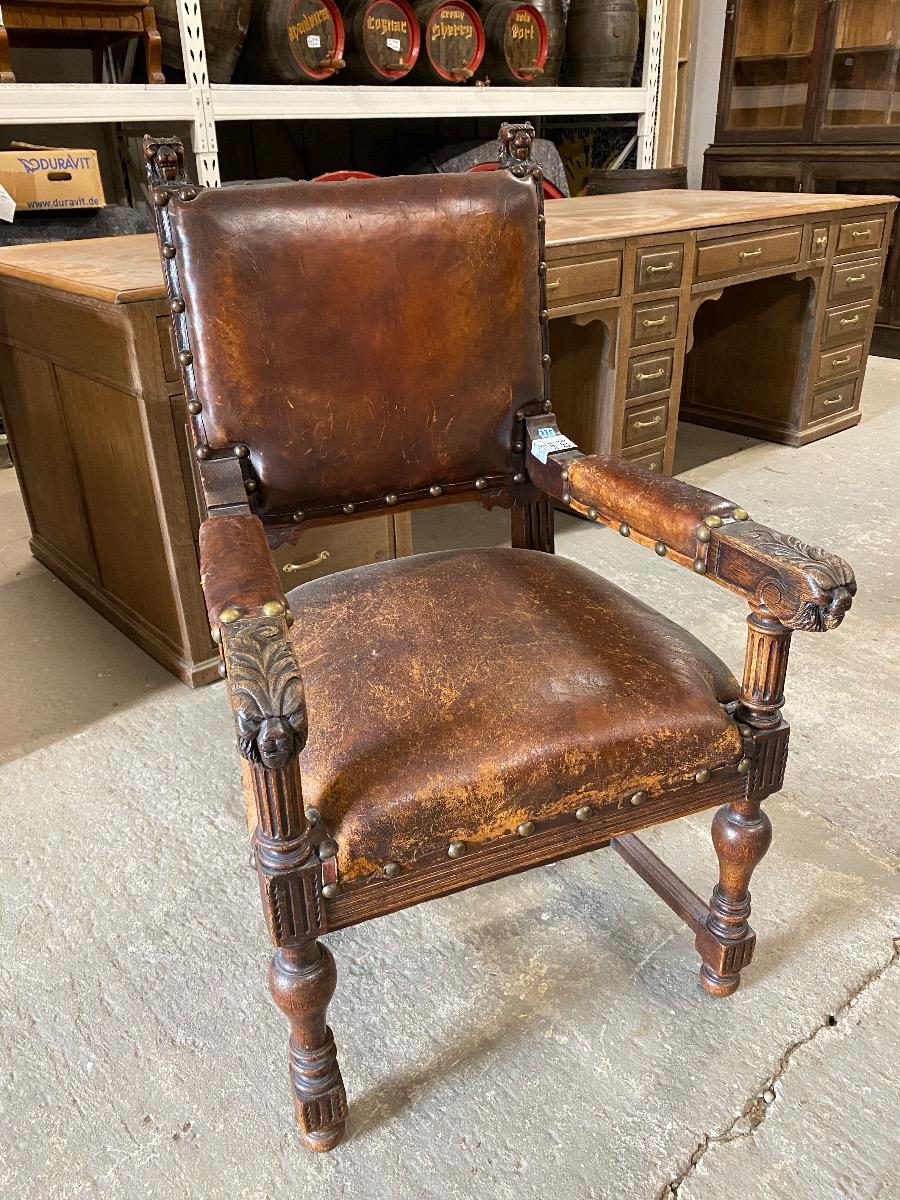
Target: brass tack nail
{"x": 330, "y": 890}
{"x": 273, "y": 608}
{"x": 227, "y": 615}
{"x": 624, "y": 530}
{"x": 584, "y": 813}
{"x": 168, "y": 251}
{"x": 545, "y": 315}
{"x": 185, "y": 357}
{"x": 699, "y": 566}
{"x": 741, "y": 514}
{"x": 526, "y": 829}
{"x": 326, "y": 849}
{"x": 249, "y": 485}
{"x": 547, "y": 406}
{"x": 542, "y": 221}
{"x": 592, "y": 513}
{"x": 312, "y": 815}
{"x": 194, "y": 407}
{"x": 661, "y": 549}
{"x": 221, "y": 671}
{"x": 187, "y": 194}
{"x": 390, "y": 498}
{"x": 299, "y": 516}
{"x": 566, "y": 498}
{"x": 456, "y": 849}
{"x": 745, "y": 731}
{"x": 564, "y": 475}
{"x": 202, "y": 452}
{"x": 542, "y": 268}
{"x": 216, "y": 634}
{"x": 518, "y": 477}
{"x": 520, "y": 414}
{"x": 713, "y": 521}
{"x": 743, "y": 766}
{"x": 435, "y": 490}
{"x": 177, "y": 305}
{"x": 702, "y": 776}
{"x": 518, "y": 447}
{"x": 637, "y": 798}
{"x": 704, "y": 533}
{"x": 481, "y": 484}
{"x": 349, "y": 508}
{"x": 391, "y": 870}
{"x": 289, "y": 618}
{"x": 160, "y": 198}
{"x": 546, "y": 360}
{"x": 241, "y": 451}
{"x": 538, "y": 173}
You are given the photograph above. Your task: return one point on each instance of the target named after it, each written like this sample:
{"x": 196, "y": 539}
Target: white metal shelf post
{"x": 196, "y": 74}
{"x": 652, "y": 78}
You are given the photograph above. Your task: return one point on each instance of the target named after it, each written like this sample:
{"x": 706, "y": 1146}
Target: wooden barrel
{"x": 452, "y": 41}
{"x": 515, "y": 36}
{"x": 293, "y": 41}
{"x": 601, "y": 42}
{"x": 555, "y": 19}
{"x": 225, "y": 24}
{"x": 382, "y": 40}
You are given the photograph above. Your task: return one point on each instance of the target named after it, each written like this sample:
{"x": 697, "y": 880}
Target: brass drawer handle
{"x": 856, "y": 278}
{"x": 648, "y": 424}
{"x": 840, "y": 362}
{"x": 850, "y": 320}
{"x": 861, "y": 233}
{"x": 648, "y": 324}
{"x": 322, "y": 556}
{"x": 751, "y": 253}
{"x": 551, "y": 287}
{"x": 833, "y": 400}
{"x": 663, "y": 267}
{"x": 642, "y": 375}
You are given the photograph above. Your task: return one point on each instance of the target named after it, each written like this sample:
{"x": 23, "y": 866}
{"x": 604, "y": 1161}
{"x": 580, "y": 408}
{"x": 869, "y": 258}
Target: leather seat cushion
{"x": 455, "y": 695}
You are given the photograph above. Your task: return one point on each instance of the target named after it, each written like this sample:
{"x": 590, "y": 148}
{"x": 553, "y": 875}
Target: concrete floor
{"x": 541, "y": 1036}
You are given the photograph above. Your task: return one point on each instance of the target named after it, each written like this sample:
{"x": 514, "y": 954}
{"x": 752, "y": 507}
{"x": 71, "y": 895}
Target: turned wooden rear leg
{"x": 741, "y": 834}
{"x": 302, "y": 981}
{"x": 6, "y": 71}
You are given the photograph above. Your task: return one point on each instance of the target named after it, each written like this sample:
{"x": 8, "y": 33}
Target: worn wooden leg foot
{"x": 741, "y": 834}
{"x": 302, "y": 980}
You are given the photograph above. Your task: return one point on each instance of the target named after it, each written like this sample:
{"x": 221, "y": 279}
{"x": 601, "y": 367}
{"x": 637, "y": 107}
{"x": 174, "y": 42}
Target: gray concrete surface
{"x": 544, "y": 1036}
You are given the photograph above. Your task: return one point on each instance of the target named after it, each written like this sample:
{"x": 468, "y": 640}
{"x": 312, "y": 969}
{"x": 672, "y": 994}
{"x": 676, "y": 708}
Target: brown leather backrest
{"x": 363, "y": 339}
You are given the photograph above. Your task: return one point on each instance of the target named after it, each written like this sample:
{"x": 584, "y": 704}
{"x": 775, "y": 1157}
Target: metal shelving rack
{"x": 204, "y": 105}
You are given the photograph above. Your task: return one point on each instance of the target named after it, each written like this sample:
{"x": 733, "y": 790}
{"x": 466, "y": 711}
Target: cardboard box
{"x": 46, "y": 178}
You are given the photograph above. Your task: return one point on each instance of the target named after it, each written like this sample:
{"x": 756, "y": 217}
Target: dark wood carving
{"x": 267, "y": 692}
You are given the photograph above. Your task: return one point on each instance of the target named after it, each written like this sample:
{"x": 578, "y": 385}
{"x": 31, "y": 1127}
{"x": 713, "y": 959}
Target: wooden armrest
{"x": 800, "y": 586}
{"x": 249, "y": 617}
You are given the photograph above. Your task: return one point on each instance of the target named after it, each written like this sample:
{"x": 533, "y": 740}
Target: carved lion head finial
{"x": 516, "y": 142}
{"x": 809, "y": 589}
{"x": 165, "y": 161}
{"x": 267, "y": 692}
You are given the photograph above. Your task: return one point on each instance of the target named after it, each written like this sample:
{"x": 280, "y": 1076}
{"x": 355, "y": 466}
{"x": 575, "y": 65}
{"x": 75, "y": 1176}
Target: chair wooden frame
{"x": 788, "y": 585}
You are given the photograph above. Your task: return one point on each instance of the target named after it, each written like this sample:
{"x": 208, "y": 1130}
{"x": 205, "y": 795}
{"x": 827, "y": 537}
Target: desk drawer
{"x": 845, "y": 324}
{"x": 646, "y": 423}
{"x": 737, "y": 256}
{"x": 835, "y": 400}
{"x": 857, "y": 279}
{"x": 594, "y": 279}
{"x": 818, "y": 246}
{"x": 840, "y": 362}
{"x": 650, "y": 462}
{"x": 649, "y": 373}
{"x": 331, "y": 548}
{"x": 654, "y": 322}
{"x": 658, "y": 268}
{"x": 860, "y": 235}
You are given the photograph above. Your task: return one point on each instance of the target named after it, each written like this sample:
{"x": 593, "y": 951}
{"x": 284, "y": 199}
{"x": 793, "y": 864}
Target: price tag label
{"x": 7, "y": 205}
{"x": 393, "y": 44}
{"x": 314, "y": 41}
{"x": 550, "y": 441}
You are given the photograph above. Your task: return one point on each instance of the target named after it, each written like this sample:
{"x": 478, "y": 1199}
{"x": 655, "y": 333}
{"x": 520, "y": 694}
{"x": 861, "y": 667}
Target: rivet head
{"x": 713, "y": 521}
{"x": 456, "y": 849}
{"x": 518, "y": 447}
{"x": 542, "y": 221}
{"x": 637, "y": 798}
{"x": 538, "y": 173}
{"x": 704, "y": 533}
{"x": 202, "y": 452}
{"x": 743, "y": 766}
{"x": 566, "y": 498}
{"x": 187, "y": 193}
{"x": 326, "y": 849}
{"x": 229, "y": 615}
{"x": 177, "y": 305}
{"x": 592, "y": 513}
{"x": 547, "y": 406}
{"x": 298, "y": 517}
{"x": 545, "y": 315}
{"x": 391, "y": 870}
{"x": 741, "y": 514}
{"x": 221, "y": 671}
{"x": 542, "y": 268}
{"x": 745, "y": 731}
{"x": 546, "y": 360}
{"x": 624, "y": 530}
{"x": 273, "y": 608}
{"x": 349, "y": 508}
{"x": 526, "y": 829}
{"x": 390, "y": 498}
{"x": 168, "y": 250}
{"x": 661, "y": 549}
{"x": 699, "y": 566}
{"x": 435, "y": 490}
{"x": 194, "y": 407}
{"x": 481, "y": 484}
{"x": 241, "y": 452}
{"x": 519, "y": 477}
{"x": 312, "y": 816}
{"x": 216, "y": 634}
{"x": 160, "y": 198}
{"x": 249, "y": 485}
{"x": 185, "y": 357}
{"x": 564, "y": 475}
{"x": 584, "y": 813}
{"x": 702, "y": 776}
{"x": 330, "y": 890}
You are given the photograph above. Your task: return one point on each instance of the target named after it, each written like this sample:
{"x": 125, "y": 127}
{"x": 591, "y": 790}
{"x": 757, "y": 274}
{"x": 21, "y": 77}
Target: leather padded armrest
{"x": 236, "y": 565}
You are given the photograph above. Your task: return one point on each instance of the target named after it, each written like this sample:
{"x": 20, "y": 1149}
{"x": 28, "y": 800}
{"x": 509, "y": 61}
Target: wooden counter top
{"x": 123, "y": 270}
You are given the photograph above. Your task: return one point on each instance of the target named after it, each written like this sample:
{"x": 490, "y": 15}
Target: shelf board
{"x": 245, "y": 102}
{"x": 67, "y": 103}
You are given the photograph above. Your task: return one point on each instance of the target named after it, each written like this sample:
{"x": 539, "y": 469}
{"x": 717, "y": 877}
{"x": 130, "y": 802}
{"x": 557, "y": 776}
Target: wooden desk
{"x": 749, "y": 311}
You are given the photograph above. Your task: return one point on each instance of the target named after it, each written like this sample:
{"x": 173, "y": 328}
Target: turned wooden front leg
{"x": 302, "y": 981}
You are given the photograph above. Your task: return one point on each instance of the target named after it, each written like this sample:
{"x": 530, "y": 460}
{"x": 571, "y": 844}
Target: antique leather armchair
{"x": 348, "y": 348}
